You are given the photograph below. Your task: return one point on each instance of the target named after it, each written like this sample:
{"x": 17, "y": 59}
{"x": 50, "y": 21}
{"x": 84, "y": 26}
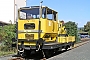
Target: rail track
{"x": 84, "y": 41}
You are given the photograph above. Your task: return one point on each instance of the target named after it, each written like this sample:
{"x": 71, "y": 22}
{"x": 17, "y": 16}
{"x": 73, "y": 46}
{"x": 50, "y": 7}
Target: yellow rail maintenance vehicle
{"x": 38, "y": 29}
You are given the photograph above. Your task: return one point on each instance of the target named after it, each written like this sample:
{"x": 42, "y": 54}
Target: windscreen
{"x": 30, "y": 13}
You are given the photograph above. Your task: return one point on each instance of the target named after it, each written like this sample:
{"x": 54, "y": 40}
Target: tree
{"x": 87, "y": 26}
{"x": 72, "y": 29}
{"x": 89, "y": 32}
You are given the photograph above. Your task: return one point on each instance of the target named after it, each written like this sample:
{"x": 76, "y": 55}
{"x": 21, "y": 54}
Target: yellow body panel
{"x": 62, "y": 39}
{"x": 66, "y": 39}
{"x": 22, "y": 22}
{"x": 47, "y": 27}
{"x": 21, "y": 27}
{"x": 71, "y": 38}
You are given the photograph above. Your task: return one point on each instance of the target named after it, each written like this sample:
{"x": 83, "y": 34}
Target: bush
{"x": 7, "y": 33}
{"x": 72, "y": 29}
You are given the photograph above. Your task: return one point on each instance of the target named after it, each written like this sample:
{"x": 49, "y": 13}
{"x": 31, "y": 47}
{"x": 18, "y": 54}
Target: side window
{"x": 50, "y": 16}
{"x": 43, "y": 16}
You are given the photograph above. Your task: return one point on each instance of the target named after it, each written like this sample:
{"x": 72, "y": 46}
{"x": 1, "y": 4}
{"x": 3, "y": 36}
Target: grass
{"x": 3, "y": 53}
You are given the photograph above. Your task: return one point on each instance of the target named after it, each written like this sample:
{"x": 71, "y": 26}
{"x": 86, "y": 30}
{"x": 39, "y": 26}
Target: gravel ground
{"x": 5, "y": 58}
{"x": 80, "y": 53}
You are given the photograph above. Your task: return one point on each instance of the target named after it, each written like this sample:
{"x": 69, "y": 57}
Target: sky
{"x": 68, "y": 10}
{"x": 6, "y": 10}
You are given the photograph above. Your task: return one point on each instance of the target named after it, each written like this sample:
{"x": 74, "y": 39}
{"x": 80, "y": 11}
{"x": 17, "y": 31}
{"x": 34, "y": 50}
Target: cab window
{"x": 29, "y": 13}
{"x": 51, "y": 15}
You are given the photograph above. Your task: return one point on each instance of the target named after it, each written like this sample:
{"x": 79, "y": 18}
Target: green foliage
{"x": 7, "y": 33}
{"x": 72, "y": 29}
{"x": 89, "y": 32}
{"x": 87, "y": 27}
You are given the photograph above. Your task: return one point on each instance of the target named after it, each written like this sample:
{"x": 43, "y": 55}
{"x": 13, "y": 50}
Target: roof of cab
{"x": 36, "y": 7}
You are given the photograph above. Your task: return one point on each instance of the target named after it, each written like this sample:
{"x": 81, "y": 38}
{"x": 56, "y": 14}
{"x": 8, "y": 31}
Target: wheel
{"x": 48, "y": 53}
